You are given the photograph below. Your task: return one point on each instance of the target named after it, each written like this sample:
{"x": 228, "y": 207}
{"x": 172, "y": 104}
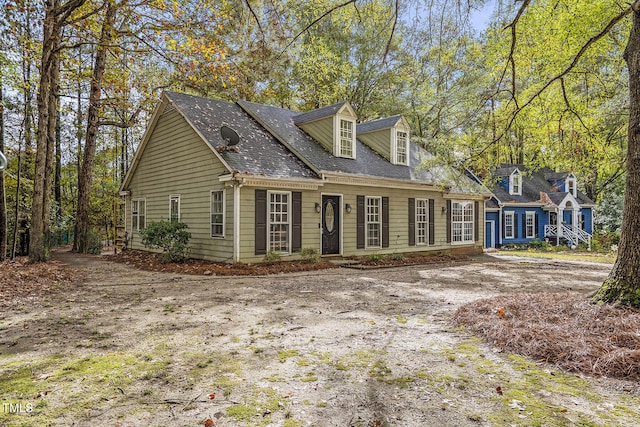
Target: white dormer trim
{"x": 400, "y": 155}
{"x": 515, "y": 183}
{"x": 571, "y": 185}
{"x": 344, "y": 132}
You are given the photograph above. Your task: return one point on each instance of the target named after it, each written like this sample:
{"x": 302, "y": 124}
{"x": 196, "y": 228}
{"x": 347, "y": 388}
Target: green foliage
{"x": 606, "y": 241}
{"x": 272, "y": 257}
{"x": 310, "y": 255}
{"x": 94, "y": 244}
{"x": 375, "y": 258}
{"x": 171, "y": 237}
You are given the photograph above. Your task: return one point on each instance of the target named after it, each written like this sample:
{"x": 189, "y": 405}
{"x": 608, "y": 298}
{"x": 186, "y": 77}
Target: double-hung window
{"x": 346, "y": 142}
{"x": 279, "y": 221}
{"x": 509, "y": 225}
{"x": 515, "y": 183}
{"x": 174, "y": 208}
{"x": 373, "y": 221}
{"x": 462, "y": 222}
{"x": 401, "y": 147}
{"x": 530, "y": 225}
{"x": 422, "y": 221}
{"x": 138, "y": 214}
{"x": 217, "y": 213}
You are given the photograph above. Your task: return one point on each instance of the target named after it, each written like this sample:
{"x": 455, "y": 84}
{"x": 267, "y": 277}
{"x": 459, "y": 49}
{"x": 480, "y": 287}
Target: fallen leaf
{"x": 499, "y": 390}
{"x": 208, "y": 422}
{"x": 212, "y": 396}
{"x": 500, "y": 312}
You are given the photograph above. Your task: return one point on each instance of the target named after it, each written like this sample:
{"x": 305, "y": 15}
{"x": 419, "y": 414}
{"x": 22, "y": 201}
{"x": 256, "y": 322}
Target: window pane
{"x": 279, "y": 222}
{"x": 373, "y": 222}
{"x": 421, "y": 221}
{"x": 346, "y": 138}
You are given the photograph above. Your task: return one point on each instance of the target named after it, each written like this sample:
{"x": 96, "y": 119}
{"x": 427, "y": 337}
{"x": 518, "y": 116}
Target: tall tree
{"x": 3, "y": 196}
{"x": 623, "y": 284}
{"x": 82, "y": 227}
{"x": 56, "y": 14}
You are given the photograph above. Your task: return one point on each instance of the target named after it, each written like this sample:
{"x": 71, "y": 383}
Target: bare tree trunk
{"x": 3, "y": 198}
{"x": 82, "y": 225}
{"x": 38, "y": 248}
{"x": 623, "y": 284}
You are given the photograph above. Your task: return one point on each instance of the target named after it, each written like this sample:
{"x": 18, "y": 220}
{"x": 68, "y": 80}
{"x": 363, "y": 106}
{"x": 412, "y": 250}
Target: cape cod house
{"x": 250, "y": 178}
{"x": 532, "y": 205}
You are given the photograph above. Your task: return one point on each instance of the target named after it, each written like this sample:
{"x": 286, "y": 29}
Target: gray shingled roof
{"x": 533, "y": 182}
{"x": 281, "y": 123}
{"x": 257, "y": 153}
{"x": 319, "y": 113}
{"x": 372, "y": 126}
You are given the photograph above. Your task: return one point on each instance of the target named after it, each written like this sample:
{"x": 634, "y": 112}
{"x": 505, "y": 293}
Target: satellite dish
{"x": 229, "y": 135}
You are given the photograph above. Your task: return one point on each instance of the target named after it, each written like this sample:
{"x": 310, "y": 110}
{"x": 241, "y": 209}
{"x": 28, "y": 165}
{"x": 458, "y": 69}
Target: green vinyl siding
{"x": 321, "y": 131}
{"x": 176, "y": 161}
{"x": 379, "y": 141}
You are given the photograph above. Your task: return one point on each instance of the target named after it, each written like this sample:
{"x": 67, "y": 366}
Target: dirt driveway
{"x": 339, "y": 347}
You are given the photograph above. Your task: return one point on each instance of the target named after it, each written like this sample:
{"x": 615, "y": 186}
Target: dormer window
{"x": 571, "y": 185}
{"x": 401, "y": 147}
{"x": 515, "y": 183}
{"x": 347, "y": 139}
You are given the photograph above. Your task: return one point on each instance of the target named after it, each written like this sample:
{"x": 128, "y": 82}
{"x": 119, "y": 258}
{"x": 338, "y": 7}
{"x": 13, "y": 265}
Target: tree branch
{"x": 315, "y": 21}
{"x": 255, "y": 17}
{"x": 393, "y": 30}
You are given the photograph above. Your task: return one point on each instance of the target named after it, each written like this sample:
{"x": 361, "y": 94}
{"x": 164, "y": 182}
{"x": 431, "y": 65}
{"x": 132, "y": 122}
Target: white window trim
{"x": 426, "y": 223}
{"x": 366, "y": 222}
{"x": 171, "y": 198}
{"x": 394, "y": 146}
{"x": 269, "y": 223}
{"x": 519, "y": 190}
{"x": 509, "y": 214}
{"x": 337, "y": 146}
{"x": 571, "y": 189}
{"x": 530, "y": 215}
{"x": 224, "y": 213}
{"x": 464, "y": 241}
{"x": 138, "y": 200}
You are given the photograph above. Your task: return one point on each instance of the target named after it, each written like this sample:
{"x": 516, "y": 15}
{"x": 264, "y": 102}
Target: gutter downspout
{"x": 237, "y": 184}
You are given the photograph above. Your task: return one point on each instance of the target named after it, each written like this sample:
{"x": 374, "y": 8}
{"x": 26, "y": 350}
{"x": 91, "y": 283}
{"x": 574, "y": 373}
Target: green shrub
{"x": 94, "y": 245}
{"x": 310, "y": 255}
{"x": 397, "y": 257}
{"x": 373, "y": 258}
{"x": 171, "y": 237}
{"x": 272, "y": 257}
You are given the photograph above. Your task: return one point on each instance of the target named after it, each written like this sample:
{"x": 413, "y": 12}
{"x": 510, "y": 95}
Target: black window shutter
{"x": 261, "y": 222}
{"x": 296, "y": 221}
{"x": 476, "y": 222}
{"x": 504, "y": 225}
{"x": 535, "y": 223}
{"x": 448, "y": 221}
{"x": 524, "y": 224}
{"x": 360, "y": 222}
{"x": 432, "y": 225}
{"x": 515, "y": 225}
{"x": 385, "y": 222}
{"x": 412, "y": 221}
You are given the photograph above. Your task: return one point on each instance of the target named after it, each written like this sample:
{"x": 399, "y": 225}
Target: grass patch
{"x": 608, "y": 258}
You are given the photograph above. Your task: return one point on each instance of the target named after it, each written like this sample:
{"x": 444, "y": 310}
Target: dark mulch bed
{"x": 153, "y": 262}
{"x": 564, "y": 329}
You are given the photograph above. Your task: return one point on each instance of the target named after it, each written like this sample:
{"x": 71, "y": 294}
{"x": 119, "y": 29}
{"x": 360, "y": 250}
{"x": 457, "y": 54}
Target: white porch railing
{"x": 574, "y": 235}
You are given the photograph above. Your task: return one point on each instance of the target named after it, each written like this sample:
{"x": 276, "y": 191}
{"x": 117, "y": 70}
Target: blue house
{"x": 545, "y": 205}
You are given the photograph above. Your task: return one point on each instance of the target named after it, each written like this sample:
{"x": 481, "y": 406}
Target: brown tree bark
{"x": 83, "y": 226}
{"x": 623, "y": 284}
{"x": 3, "y": 198}
{"x": 55, "y": 16}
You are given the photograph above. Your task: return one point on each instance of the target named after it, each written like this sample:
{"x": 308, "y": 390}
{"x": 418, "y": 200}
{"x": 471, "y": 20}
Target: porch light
{"x": 317, "y": 207}
{"x": 347, "y": 208}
